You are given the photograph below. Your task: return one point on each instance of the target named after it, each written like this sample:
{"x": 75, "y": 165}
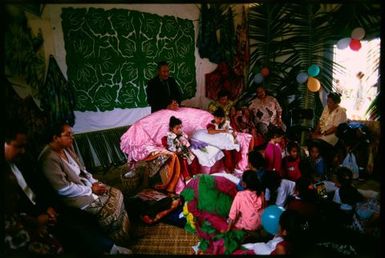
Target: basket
{"x": 131, "y": 180}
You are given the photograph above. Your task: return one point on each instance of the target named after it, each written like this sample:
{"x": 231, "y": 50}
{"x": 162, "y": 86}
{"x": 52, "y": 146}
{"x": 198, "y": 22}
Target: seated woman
{"x": 331, "y": 117}
{"x": 77, "y": 188}
{"x": 143, "y": 140}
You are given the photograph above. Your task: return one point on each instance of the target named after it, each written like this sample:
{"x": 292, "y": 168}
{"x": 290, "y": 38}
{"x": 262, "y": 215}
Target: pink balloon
{"x": 355, "y": 45}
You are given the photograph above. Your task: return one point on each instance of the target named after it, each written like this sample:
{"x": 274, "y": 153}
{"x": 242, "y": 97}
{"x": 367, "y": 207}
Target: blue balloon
{"x": 302, "y": 77}
{"x": 258, "y": 78}
{"x": 313, "y": 70}
{"x": 270, "y": 218}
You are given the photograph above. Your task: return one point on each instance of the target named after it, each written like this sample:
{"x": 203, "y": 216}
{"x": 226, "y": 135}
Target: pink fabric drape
{"x": 145, "y": 136}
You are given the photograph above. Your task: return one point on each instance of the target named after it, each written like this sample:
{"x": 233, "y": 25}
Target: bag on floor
{"x": 351, "y": 163}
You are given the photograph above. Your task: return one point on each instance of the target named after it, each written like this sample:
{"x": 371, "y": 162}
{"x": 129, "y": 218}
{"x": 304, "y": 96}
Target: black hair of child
{"x": 272, "y": 180}
{"x": 174, "y": 122}
{"x": 274, "y": 131}
{"x": 296, "y": 230}
{"x": 256, "y": 159}
{"x": 219, "y": 112}
{"x": 250, "y": 178}
{"x": 223, "y": 93}
{"x": 291, "y": 145}
{"x": 348, "y": 193}
{"x": 302, "y": 186}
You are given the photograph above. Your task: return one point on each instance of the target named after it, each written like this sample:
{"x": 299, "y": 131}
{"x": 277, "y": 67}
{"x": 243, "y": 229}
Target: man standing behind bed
{"x": 162, "y": 91}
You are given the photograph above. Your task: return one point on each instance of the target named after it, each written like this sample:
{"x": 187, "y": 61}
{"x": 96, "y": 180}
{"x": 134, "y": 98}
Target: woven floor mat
{"x": 162, "y": 239}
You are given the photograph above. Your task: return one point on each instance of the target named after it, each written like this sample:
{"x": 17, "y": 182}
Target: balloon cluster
{"x": 313, "y": 84}
{"x": 354, "y": 41}
{"x": 258, "y": 78}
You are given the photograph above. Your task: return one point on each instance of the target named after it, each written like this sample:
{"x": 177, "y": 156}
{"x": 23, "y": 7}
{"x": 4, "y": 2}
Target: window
{"x": 358, "y": 82}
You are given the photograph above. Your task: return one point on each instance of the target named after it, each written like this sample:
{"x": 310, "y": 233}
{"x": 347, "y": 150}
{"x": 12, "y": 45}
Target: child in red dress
{"x": 291, "y": 163}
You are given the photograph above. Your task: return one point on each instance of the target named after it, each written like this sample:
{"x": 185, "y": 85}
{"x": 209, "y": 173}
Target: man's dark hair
{"x": 13, "y": 128}
{"x": 161, "y": 63}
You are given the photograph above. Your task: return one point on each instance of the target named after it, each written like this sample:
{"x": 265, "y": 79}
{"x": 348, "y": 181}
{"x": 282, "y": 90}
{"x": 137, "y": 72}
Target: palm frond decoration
{"x": 216, "y": 36}
{"x": 374, "y": 110}
{"x": 312, "y": 39}
{"x": 23, "y": 61}
{"x": 363, "y": 14}
{"x": 58, "y": 98}
{"x": 268, "y": 31}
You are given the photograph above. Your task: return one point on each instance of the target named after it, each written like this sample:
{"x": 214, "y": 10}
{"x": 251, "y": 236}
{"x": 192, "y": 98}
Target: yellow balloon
{"x": 313, "y": 84}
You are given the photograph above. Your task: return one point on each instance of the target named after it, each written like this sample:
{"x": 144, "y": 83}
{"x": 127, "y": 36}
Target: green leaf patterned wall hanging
{"x": 111, "y": 55}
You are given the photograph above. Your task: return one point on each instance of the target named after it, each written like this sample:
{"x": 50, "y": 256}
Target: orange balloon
{"x": 265, "y": 71}
{"x": 313, "y": 84}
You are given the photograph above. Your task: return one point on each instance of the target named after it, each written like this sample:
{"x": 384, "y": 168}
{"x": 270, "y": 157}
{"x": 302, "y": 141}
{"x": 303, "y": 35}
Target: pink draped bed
{"x": 144, "y": 136}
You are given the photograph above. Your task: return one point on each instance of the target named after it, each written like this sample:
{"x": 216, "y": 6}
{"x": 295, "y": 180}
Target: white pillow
{"x": 209, "y": 156}
{"x": 223, "y": 141}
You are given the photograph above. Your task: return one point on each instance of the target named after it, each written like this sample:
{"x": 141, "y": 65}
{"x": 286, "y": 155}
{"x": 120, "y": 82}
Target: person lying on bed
{"x": 220, "y": 125}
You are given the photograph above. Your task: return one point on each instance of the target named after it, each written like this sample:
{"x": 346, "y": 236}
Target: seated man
{"x": 162, "y": 90}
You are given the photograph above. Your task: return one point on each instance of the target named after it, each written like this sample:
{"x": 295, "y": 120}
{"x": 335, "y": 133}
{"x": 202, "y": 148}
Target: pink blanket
{"x": 144, "y": 136}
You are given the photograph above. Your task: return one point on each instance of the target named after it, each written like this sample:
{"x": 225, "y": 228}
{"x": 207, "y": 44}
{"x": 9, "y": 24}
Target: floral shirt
{"x": 265, "y": 110}
{"x": 180, "y": 144}
{"x": 215, "y": 104}
{"x": 222, "y": 126}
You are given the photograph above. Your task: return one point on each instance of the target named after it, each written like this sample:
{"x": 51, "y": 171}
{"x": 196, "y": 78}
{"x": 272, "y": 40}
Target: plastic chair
{"x": 301, "y": 120}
